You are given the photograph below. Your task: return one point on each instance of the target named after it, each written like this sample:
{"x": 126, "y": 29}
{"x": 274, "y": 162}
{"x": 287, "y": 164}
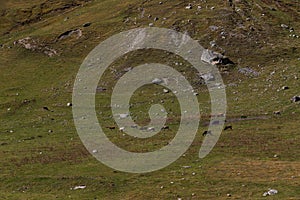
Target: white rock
{"x": 79, "y": 187}
{"x": 157, "y": 81}
{"x": 284, "y": 26}
{"x": 189, "y": 7}
{"x": 122, "y": 128}
{"x": 123, "y": 116}
{"x": 69, "y": 104}
{"x": 151, "y": 129}
{"x": 270, "y": 192}
{"x": 95, "y": 151}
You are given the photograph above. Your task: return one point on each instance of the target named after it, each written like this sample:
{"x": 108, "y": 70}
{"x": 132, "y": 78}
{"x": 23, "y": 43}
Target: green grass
{"x": 38, "y": 164}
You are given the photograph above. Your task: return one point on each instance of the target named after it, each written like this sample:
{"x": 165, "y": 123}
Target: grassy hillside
{"x": 41, "y": 154}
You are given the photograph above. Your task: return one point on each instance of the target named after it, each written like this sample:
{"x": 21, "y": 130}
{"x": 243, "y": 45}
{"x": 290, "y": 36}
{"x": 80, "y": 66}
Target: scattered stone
{"x": 227, "y": 128}
{"x": 151, "y": 25}
{"x": 143, "y": 128}
{"x": 213, "y": 43}
{"x": 160, "y": 3}
{"x": 156, "y": 19}
{"x": 123, "y": 116}
{"x": 213, "y": 28}
{"x": 228, "y": 195}
{"x": 151, "y": 129}
{"x": 189, "y": 6}
{"x": 270, "y": 192}
{"x": 128, "y": 69}
{"x": 275, "y": 156}
{"x": 34, "y": 45}
{"x": 11, "y": 131}
{"x": 295, "y": 99}
{"x": 100, "y": 89}
{"x": 46, "y": 108}
{"x": 165, "y": 128}
{"x": 186, "y": 167}
{"x": 87, "y": 24}
{"x": 95, "y": 151}
{"x": 8, "y": 109}
{"x": 157, "y": 81}
{"x": 195, "y": 93}
{"x": 29, "y": 138}
{"x": 50, "y": 131}
{"x": 111, "y": 127}
{"x": 206, "y": 133}
{"x": 285, "y": 88}
{"x": 248, "y": 71}
{"x": 284, "y": 26}
{"x": 122, "y": 128}
{"x": 69, "y": 104}
{"x": 208, "y": 77}
{"x": 79, "y": 187}
{"x": 277, "y": 112}
{"x": 69, "y": 33}
{"x": 134, "y": 126}
{"x": 166, "y": 91}
{"x": 214, "y": 58}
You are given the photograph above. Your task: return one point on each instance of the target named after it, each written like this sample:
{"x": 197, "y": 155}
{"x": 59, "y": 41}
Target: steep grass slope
{"x": 41, "y": 154}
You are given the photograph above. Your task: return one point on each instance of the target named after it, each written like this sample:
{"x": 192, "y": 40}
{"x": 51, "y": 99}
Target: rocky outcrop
{"x": 76, "y": 32}
{"x": 215, "y": 58}
{"x": 33, "y": 45}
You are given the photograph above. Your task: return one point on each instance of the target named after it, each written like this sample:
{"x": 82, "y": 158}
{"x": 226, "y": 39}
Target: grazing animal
{"x": 206, "y": 132}
{"x": 227, "y": 128}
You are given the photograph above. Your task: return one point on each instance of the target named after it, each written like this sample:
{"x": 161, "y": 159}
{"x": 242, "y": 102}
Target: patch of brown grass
{"x": 263, "y": 171}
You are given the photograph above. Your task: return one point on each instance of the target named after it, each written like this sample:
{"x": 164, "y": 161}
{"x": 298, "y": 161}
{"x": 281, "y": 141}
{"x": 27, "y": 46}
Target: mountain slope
{"x": 43, "y": 44}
